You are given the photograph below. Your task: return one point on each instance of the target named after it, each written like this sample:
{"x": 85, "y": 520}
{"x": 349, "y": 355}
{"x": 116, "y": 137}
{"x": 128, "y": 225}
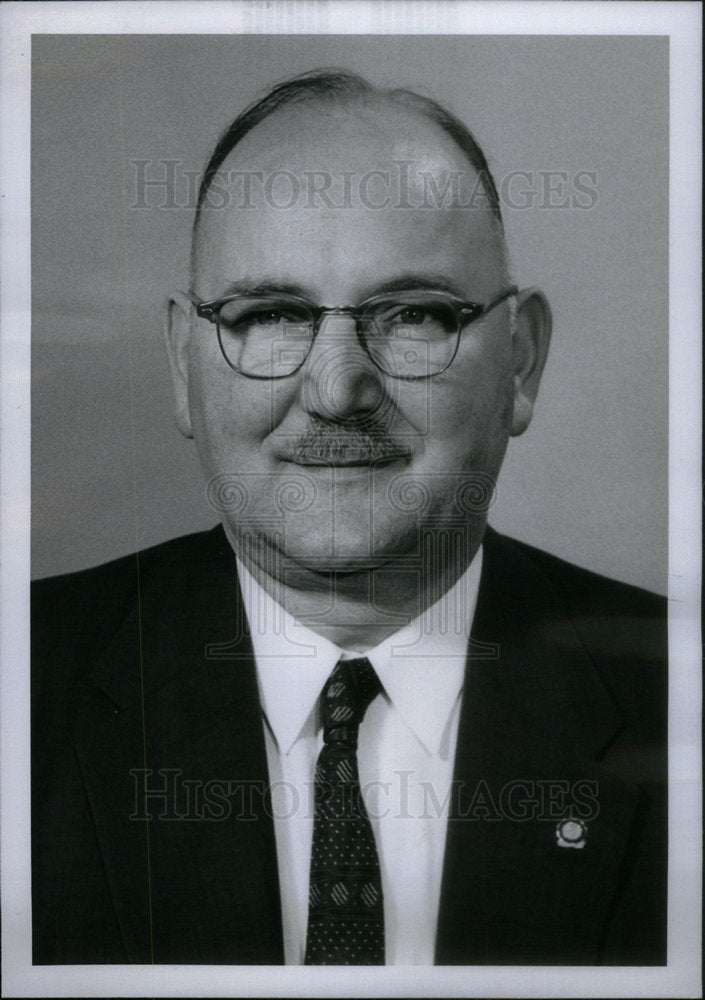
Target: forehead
{"x": 346, "y": 192}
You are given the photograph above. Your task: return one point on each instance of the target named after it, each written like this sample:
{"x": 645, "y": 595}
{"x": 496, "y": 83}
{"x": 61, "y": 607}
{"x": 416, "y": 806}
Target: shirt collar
{"x": 421, "y": 666}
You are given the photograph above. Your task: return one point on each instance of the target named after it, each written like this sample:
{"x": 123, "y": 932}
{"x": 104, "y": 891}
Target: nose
{"x": 340, "y": 380}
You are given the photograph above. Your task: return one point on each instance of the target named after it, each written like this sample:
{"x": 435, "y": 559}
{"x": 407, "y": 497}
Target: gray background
{"x": 110, "y": 472}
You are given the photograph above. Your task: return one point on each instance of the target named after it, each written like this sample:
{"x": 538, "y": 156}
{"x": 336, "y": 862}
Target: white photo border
{"x": 681, "y": 21}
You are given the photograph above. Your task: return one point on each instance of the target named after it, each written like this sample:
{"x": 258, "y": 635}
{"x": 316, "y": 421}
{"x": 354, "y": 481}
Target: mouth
{"x": 351, "y": 463}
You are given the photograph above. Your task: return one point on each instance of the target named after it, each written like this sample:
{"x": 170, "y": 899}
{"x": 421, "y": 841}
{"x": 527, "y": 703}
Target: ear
{"x": 177, "y": 333}
{"x": 531, "y": 339}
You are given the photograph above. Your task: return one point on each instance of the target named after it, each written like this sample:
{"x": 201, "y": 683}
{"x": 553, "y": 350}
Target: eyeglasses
{"x": 407, "y": 335}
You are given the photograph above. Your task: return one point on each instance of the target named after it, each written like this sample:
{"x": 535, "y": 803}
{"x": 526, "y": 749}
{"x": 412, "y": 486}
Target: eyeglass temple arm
{"x": 493, "y": 303}
{"x": 203, "y": 309}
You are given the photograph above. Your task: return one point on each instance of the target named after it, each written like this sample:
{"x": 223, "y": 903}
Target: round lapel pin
{"x": 571, "y": 833}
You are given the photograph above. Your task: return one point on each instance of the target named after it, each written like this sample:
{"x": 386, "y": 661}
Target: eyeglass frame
{"x": 210, "y": 309}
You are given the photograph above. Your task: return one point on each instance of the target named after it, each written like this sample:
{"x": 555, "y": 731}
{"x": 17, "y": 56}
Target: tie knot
{"x": 347, "y": 694}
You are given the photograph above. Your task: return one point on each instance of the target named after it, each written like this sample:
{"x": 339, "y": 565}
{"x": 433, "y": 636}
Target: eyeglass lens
{"x": 405, "y": 336}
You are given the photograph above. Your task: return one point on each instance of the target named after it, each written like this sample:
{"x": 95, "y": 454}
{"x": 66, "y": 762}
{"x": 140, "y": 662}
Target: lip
{"x": 362, "y": 463}
{"x": 359, "y": 464}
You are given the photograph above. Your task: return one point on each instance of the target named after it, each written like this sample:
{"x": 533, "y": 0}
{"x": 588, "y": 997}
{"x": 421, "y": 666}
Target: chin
{"x": 348, "y": 551}
{"x": 337, "y": 558}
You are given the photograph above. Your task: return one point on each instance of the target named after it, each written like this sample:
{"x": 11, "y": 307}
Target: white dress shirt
{"x": 406, "y": 752}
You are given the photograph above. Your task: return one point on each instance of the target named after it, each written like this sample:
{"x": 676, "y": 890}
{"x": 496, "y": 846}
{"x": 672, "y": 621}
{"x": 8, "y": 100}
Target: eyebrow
{"x": 267, "y": 286}
{"x": 426, "y": 282}
{"x": 404, "y": 283}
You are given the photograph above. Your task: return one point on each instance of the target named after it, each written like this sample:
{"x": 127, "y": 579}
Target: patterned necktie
{"x": 345, "y": 916}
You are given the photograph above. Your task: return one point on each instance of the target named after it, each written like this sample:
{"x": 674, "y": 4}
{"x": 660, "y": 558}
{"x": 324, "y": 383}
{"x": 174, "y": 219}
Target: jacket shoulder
{"x": 76, "y": 615}
{"x": 111, "y": 589}
{"x": 583, "y": 585}
{"x": 622, "y": 628}
{"x": 582, "y": 588}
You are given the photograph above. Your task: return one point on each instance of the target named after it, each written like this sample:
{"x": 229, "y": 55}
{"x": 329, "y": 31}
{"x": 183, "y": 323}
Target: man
{"x": 350, "y": 725}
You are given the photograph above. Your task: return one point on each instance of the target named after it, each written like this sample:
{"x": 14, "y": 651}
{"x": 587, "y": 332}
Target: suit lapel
{"x": 535, "y": 715}
{"x": 174, "y": 764}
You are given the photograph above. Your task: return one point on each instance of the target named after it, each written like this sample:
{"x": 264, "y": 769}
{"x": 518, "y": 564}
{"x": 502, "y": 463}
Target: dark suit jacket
{"x": 143, "y": 667}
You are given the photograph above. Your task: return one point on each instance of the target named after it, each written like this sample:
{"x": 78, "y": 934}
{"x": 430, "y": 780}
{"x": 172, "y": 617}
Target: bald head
{"x": 372, "y": 174}
{"x": 403, "y": 120}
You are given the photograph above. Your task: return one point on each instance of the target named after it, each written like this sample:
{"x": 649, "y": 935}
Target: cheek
{"x": 473, "y": 405}
{"x": 216, "y": 410}
{"x": 231, "y": 416}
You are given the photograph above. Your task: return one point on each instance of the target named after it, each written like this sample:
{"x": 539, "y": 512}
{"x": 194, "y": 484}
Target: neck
{"x": 357, "y": 609}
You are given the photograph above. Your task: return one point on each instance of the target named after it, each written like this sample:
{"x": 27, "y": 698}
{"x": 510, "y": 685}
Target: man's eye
{"x": 259, "y": 319}
{"x": 417, "y": 320}
{"x": 268, "y": 318}
{"x": 412, "y": 316}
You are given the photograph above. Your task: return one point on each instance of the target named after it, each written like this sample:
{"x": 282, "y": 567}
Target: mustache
{"x": 331, "y": 444}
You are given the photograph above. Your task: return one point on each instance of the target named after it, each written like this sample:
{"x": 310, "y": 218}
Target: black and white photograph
{"x": 357, "y": 586}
